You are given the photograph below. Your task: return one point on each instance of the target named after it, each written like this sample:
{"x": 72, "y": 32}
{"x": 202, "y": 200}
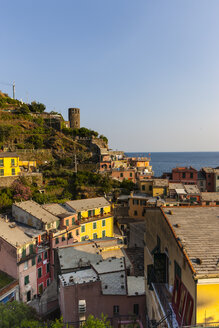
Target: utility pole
{"x": 13, "y": 89}
{"x": 76, "y": 169}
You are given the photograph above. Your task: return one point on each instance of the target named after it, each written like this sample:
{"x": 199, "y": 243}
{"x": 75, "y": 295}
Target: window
{"x": 29, "y": 296}
{"x": 39, "y": 272}
{"x": 201, "y": 183}
{"x": 1, "y": 162}
{"x": 12, "y": 171}
{"x": 136, "y": 309}
{"x": 47, "y": 268}
{"x": 135, "y": 213}
{"x": 26, "y": 280}
{"x": 34, "y": 261}
{"x": 95, "y": 236}
{"x": 31, "y": 249}
{"x": 23, "y": 252}
{"x": 89, "y": 213}
{"x": 143, "y": 187}
{"x": 67, "y": 223}
{"x": 191, "y": 175}
{"x": 95, "y": 225}
{"x": 26, "y": 265}
{"x": 83, "y": 228}
{"x": 83, "y": 238}
{"x": 45, "y": 255}
{"x": 39, "y": 259}
{"x": 103, "y": 223}
{"x": 183, "y": 175}
{"x": 82, "y": 306}
{"x": 57, "y": 240}
{"x": 115, "y": 309}
{"x": 2, "y": 172}
{"x": 73, "y": 221}
{"x": 12, "y": 162}
{"x": 103, "y": 233}
{"x": 121, "y": 175}
{"x": 79, "y": 215}
{"x": 63, "y": 238}
{"x": 130, "y": 174}
{"x": 70, "y": 235}
{"x": 47, "y": 282}
{"x": 77, "y": 232}
{"x": 48, "y": 226}
{"x": 150, "y": 188}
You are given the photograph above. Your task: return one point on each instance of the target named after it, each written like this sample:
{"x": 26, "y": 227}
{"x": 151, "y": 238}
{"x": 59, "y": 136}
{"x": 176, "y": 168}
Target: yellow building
{"x": 9, "y": 164}
{"x": 181, "y": 264}
{"x": 154, "y": 187}
{"x": 94, "y": 215}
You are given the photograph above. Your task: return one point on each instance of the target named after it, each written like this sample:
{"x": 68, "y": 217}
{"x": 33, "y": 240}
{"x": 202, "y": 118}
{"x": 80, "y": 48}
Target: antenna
{"x": 10, "y": 84}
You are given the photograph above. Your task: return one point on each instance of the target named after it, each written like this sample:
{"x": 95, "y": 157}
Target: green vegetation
{"x": 5, "y": 279}
{"x": 19, "y": 315}
{"x": 36, "y": 107}
{"x": 93, "y": 322}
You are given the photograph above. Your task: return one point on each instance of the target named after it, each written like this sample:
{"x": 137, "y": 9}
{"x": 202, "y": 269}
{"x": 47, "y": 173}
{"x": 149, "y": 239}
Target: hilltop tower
{"x": 74, "y": 118}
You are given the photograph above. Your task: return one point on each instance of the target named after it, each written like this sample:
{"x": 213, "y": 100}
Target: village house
{"x": 181, "y": 265}
{"x": 18, "y": 258}
{"x": 103, "y": 287}
{"x": 94, "y": 216}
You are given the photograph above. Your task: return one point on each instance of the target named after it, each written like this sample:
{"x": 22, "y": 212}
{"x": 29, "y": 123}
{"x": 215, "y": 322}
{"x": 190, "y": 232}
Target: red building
{"x": 43, "y": 268}
{"x": 209, "y": 174}
{"x": 187, "y": 175}
{"x": 124, "y": 174}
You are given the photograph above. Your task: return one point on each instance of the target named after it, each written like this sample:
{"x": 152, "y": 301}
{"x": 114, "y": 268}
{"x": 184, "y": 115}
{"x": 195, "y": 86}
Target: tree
{"x": 37, "y": 107}
{"x": 16, "y": 314}
{"x": 93, "y": 322}
{"x": 24, "y": 109}
{"x": 36, "y": 141}
{"x": 20, "y": 191}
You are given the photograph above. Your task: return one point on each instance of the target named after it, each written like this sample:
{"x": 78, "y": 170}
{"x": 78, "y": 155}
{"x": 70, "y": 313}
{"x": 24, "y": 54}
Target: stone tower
{"x": 74, "y": 118}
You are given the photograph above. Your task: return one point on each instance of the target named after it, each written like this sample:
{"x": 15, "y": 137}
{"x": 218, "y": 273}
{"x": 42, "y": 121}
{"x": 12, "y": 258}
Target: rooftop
{"x": 8, "y": 154}
{"x": 10, "y": 232}
{"x": 136, "y": 285}
{"x": 56, "y": 209}
{"x": 109, "y": 265}
{"x": 87, "y": 204}
{"x": 198, "y": 231}
{"x": 37, "y": 211}
{"x": 113, "y": 283}
{"x": 192, "y": 189}
{"x": 180, "y": 169}
{"x": 210, "y": 196}
{"x": 78, "y": 277}
{"x": 5, "y": 279}
{"x": 160, "y": 182}
{"x": 173, "y": 185}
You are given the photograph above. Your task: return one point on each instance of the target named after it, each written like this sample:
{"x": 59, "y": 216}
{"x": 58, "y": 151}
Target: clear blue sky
{"x": 144, "y": 72}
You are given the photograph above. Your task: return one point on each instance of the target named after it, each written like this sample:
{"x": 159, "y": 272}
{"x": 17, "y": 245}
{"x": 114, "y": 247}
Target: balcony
{"x": 163, "y": 298}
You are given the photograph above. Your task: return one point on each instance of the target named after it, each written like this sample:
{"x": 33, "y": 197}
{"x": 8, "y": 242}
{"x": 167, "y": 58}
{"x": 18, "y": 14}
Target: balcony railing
{"x": 164, "y": 299}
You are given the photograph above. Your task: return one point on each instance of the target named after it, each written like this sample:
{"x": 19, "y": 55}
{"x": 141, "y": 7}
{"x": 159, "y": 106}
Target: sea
{"x": 165, "y": 162}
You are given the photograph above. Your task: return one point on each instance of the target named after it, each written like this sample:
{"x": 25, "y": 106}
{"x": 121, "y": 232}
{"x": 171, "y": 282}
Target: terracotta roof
{"x": 198, "y": 231}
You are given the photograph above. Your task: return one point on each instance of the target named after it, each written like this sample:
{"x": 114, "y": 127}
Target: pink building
{"x": 18, "y": 258}
{"x": 124, "y": 174}
{"x": 105, "y": 288}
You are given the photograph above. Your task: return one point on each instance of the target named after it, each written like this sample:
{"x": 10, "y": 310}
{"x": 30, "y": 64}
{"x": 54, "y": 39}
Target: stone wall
{"x": 30, "y": 177}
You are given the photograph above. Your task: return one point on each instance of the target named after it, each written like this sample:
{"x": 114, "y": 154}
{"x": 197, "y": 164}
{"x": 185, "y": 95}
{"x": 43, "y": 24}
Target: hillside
{"x": 25, "y": 126}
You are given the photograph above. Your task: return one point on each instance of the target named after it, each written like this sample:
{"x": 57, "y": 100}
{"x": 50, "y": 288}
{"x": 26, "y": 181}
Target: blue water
{"x": 164, "y": 162}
